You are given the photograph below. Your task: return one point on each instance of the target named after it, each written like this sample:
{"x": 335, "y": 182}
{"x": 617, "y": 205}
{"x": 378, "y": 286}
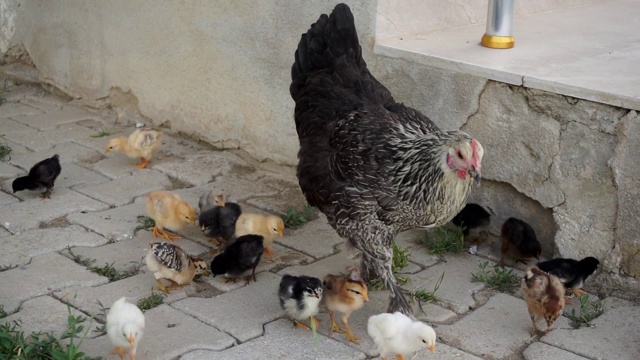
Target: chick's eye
{"x": 424, "y": 341}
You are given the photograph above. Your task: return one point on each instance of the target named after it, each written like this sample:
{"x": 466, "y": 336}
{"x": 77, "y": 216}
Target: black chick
{"x": 42, "y": 176}
{"x": 219, "y": 222}
{"x": 474, "y": 220}
{"x": 300, "y": 298}
{"x": 519, "y": 241}
{"x": 238, "y": 257}
{"x": 572, "y": 273}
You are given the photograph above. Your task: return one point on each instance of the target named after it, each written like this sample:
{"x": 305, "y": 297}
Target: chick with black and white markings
{"x": 572, "y": 273}
{"x": 240, "y": 256}
{"x": 300, "y": 298}
{"x": 169, "y": 261}
{"x": 41, "y": 177}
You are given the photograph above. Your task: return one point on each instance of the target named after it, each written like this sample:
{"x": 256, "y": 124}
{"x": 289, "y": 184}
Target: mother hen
{"x": 373, "y": 166}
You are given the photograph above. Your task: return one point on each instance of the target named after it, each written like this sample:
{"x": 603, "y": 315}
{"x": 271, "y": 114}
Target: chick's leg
{"x": 578, "y": 292}
{"x": 162, "y": 287}
{"x": 143, "y": 163}
{"x": 298, "y": 324}
{"x": 334, "y": 325}
{"x": 350, "y": 337}
{"x": 118, "y": 350}
{"x": 162, "y": 233}
{"x": 46, "y": 195}
{"x": 268, "y": 251}
{"x": 399, "y": 357}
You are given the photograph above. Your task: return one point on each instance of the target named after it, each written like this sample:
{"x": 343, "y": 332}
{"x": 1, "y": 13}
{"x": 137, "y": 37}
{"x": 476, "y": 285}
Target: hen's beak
{"x": 432, "y": 348}
{"x": 475, "y": 174}
{"x": 131, "y": 339}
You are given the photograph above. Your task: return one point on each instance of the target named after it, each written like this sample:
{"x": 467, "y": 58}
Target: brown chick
{"x": 544, "y": 294}
{"x": 169, "y": 211}
{"x": 266, "y": 225}
{"x": 344, "y": 294}
{"x": 518, "y": 241}
{"x": 142, "y": 143}
{"x": 168, "y": 261}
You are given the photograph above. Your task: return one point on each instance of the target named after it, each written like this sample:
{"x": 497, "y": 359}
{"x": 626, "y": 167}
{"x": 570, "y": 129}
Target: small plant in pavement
{"x": 498, "y": 278}
{"x": 108, "y": 270}
{"x": 101, "y": 133}
{"x": 153, "y": 300}
{"x": 445, "y": 240}
{"x": 587, "y": 312}
{"x": 145, "y": 223}
{"x": 294, "y": 218}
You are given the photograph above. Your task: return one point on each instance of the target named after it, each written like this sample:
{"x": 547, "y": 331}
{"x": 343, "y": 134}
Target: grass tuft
{"x": 445, "y": 240}
{"x": 145, "y": 222}
{"x": 294, "y": 218}
{"x": 153, "y": 300}
{"x": 499, "y": 279}
{"x": 588, "y": 311}
{"x": 424, "y": 296}
{"x": 3, "y": 314}
{"x": 107, "y": 270}
{"x": 5, "y": 149}
{"x": 101, "y": 133}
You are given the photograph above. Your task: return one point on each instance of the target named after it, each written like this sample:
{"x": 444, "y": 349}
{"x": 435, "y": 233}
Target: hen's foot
{"x": 143, "y": 163}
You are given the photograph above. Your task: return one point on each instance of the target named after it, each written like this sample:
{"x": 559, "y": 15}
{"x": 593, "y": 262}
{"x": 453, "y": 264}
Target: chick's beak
{"x": 475, "y": 174}
{"x": 131, "y": 339}
{"x": 365, "y": 297}
{"x": 432, "y": 348}
{"x": 107, "y": 150}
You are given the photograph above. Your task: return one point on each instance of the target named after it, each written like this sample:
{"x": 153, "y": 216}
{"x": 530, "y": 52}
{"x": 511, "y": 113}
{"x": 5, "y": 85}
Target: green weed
{"x": 294, "y": 218}
{"x": 445, "y": 240}
{"x": 499, "y": 279}
{"x": 588, "y": 311}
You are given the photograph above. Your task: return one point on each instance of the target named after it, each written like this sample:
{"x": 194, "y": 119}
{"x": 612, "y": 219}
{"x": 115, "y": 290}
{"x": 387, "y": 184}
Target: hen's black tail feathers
{"x": 331, "y": 47}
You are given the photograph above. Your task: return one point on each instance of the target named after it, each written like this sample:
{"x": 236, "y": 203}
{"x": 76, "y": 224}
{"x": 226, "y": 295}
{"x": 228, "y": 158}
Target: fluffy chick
{"x": 169, "y": 211}
{"x": 344, "y": 294}
{"x": 572, "y": 273}
{"x": 142, "y": 143}
{"x": 475, "y": 221}
{"x": 398, "y": 334}
{"x": 169, "y": 261}
{"x": 208, "y": 201}
{"x": 42, "y": 176}
{"x": 300, "y": 297}
{"x": 266, "y": 225}
{"x": 218, "y": 219}
{"x": 238, "y": 257}
{"x": 544, "y": 294}
{"x": 125, "y": 326}
{"x": 518, "y": 241}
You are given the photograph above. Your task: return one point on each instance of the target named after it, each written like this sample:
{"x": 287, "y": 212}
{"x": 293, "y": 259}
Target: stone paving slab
{"x": 6, "y": 199}
{"x": 115, "y": 224}
{"x": 281, "y": 341}
{"x": 410, "y": 241}
{"x": 42, "y": 280}
{"x": 457, "y": 289}
{"x": 19, "y": 249}
{"x": 541, "y": 351}
{"x": 29, "y": 214}
{"x": 123, "y": 190}
{"x": 197, "y": 169}
{"x": 317, "y": 238}
{"x": 53, "y": 117}
{"x": 42, "y": 140}
{"x": 44, "y": 314}
{"x": 168, "y": 334}
{"x": 290, "y": 195}
{"x": 241, "y": 189}
{"x": 68, "y": 152}
{"x": 614, "y": 335}
{"x": 116, "y": 165}
{"x": 8, "y": 110}
{"x": 4, "y": 233}
{"x": 333, "y": 264}
{"x": 242, "y": 312}
{"x": 497, "y": 330}
{"x": 8, "y": 126}
{"x": 8, "y": 171}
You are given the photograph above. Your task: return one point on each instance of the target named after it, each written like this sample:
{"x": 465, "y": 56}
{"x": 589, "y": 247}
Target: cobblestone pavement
{"x": 92, "y": 214}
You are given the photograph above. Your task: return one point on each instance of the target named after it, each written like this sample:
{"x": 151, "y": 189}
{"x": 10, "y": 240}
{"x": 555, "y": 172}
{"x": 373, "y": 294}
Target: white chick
{"x": 398, "y": 334}
{"x": 125, "y": 326}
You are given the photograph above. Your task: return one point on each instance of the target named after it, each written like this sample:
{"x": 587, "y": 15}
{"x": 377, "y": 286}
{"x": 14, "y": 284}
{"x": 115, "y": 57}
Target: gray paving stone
{"x": 176, "y": 145}
{"x": 19, "y": 249}
{"x": 497, "y": 330}
{"x": 410, "y": 241}
{"x": 8, "y": 110}
{"x": 127, "y": 253}
{"x": 289, "y": 195}
{"x": 116, "y": 165}
{"x": 134, "y": 288}
{"x": 196, "y": 169}
{"x": 122, "y": 191}
{"x": 542, "y": 351}
{"x": 42, "y": 140}
{"x": 610, "y": 337}
{"x": 456, "y": 290}
{"x": 4, "y": 233}
{"x": 240, "y": 189}
{"x": 99, "y": 144}
{"x": 316, "y": 238}
{"x": 8, "y": 171}
{"x": 432, "y": 313}
{"x": 53, "y": 117}
{"x": 6, "y": 199}
{"x": 37, "y": 278}
{"x": 29, "y": 214}
{"x": 168, "y": 334}
{"x": 240, "y": 313}
{"x": 115, "y": 224}
{"x": 444, "y": 352}
{"x": 44, "y": 314}
{"x": 333, "y": 264}
{"x": 8, "y": 126}
{"x": 68, "y": 152}
{"x": 281, "y": 341}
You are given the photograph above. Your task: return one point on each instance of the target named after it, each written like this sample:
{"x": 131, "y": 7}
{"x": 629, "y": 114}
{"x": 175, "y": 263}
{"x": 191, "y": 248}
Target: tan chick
{"x": 169, "y": 261}
{"x": 142, "y": 143}
{"x": 266, "y": 225}
{"x": 544, "y": 294}
{"x": 169, "y": 211}
{"x": 344, "y": 294}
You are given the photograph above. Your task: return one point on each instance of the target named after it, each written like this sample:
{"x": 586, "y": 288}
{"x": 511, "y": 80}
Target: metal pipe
{"x": 499, "y": 34}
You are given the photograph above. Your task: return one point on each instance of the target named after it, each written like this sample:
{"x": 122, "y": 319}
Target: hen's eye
{"x": 460, "y": 154}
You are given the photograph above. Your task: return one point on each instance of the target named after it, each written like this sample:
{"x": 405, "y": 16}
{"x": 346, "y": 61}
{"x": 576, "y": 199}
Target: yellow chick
{"x": 168, "y": 261}
{"x": 344, "y": 294}
{"x": 257, "y": 224}
{"x": 142, "y": 143}
{"x": 169, "y": 211}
